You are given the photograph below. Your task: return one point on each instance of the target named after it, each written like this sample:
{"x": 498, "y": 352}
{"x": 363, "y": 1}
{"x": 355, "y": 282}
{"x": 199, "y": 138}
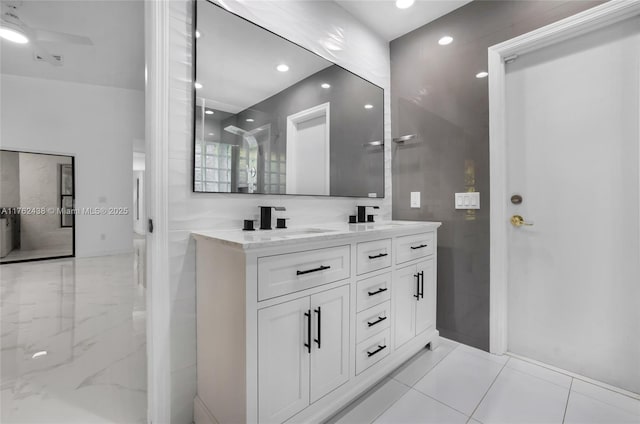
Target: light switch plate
{"x": 415, "y": 199}
{"x": 468, "y": 200}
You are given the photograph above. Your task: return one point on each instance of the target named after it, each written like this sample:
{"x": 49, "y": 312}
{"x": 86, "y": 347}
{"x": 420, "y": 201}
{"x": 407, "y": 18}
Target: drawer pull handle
{"x": 377, "y": 291}
{"x": 418, "y": 247}
{"x": 380, "y": 348}
{"x": 381, "y": 255}
{"x": 307, "y": 315}
{"x": 320, "y": 268}
{"x": 378, "y": 321}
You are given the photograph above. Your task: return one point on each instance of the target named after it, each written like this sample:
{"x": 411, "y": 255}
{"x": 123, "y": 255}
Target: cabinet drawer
{"x": 373, "y": 291}
{"x": 292, "y": 272}
{"x": 414, "y": 246}
{"x": 372, "y": 321}
{"x": 372, "y": 350}
{"x": 373, "y": 255}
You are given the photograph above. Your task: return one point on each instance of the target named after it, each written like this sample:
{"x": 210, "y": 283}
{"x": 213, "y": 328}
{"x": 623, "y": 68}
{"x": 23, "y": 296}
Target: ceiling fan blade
{"x": 61, "y": 37}
{"x": 44, "y": 54}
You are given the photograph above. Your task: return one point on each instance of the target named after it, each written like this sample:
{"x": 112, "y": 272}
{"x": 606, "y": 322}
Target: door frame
{"x": 323, "y": 109}
{"x": 592, "y": 19}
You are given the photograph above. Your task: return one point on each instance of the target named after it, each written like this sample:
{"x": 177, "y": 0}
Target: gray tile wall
{"x": 434, "y": 94}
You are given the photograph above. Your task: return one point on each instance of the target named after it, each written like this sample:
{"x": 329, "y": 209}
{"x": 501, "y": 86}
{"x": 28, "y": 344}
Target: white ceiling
{"x": 236, "y": 61}
{"x": 383, "y": 17}
{"x": 116, "y": 28}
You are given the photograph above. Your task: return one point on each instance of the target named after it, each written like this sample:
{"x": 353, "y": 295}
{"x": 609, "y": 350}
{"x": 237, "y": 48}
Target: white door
{"x": 404, "y": 292}
{"x": 574, "y": 275}
{"x": 308, "y": 152}
{"x": 283, "y": 360}
{"x": 330, "y": 351}
{"x": 425, "y": 306}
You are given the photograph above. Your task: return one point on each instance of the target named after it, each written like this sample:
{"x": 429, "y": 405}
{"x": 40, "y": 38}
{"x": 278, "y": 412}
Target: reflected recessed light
{"x": 208, "y": 112}
{"x": 211, "y": 134}
{"x": 282, "y": 67}
{"x": 482, "y": 74}
{"x": 197, "y": 34}
{"x": 404, "y": 4}
{"x": 197, "y": 85}
{"x": 447, "y": 39}
{"x": 41, "y": 353}
{"x": 368, "y": 106}
{"x": 325, "y": 85}
{"x": 249, "y": 120}
{"x": 12, "y": 35}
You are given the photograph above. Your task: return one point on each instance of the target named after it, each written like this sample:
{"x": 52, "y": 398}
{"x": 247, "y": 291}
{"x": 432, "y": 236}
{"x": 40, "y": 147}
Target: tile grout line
{"x": 434, "y": 365}
{"x": 490, "y": 386}
{"x": 566, "y": 406}
{"x": 409, "y": 387}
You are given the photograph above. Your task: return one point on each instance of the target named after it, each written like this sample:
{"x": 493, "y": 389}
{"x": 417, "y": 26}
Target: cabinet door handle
{"x": 320, "y": 268}
{"x": 381, "y": 255}
{"x": 308, "y": 318}
{"x": 318, "y": 311}
{"x": 417, "y": 277}
{"x": 418, "y": 247}
{"x": 378, "y": 321}
{"x": 421, "y": 273}
{"x": 380, "y": 348}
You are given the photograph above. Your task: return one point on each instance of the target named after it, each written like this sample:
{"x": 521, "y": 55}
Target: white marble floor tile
{"x": 460, "y": 380}
{"x": 498, "y": 359}
{"x": 617, "y": 400}
{"x": 373, "y": 404}
{"x": 583, "y": 409}
{"x": 418, "y": 366}
{"x": 551, "y": 376}
{"x": 414, "y": 407}
{"x": 516, "y": 397}
{"x": 89, "y": 316}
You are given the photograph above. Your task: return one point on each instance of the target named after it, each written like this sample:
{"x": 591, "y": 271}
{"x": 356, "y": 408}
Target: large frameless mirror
{"x": 271, "y": 117}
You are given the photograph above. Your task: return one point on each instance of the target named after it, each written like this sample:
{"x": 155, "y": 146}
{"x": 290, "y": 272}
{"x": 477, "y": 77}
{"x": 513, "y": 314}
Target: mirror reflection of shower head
{"x": 404, "y": 138}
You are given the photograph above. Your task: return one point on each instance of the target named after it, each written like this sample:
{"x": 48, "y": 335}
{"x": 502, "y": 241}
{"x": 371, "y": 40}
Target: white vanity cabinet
{"x": 292, "y": 325}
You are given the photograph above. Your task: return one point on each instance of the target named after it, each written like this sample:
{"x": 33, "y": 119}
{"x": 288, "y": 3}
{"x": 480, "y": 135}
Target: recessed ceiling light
{"x": 211, "y": 134}
{"x": 404, "y": 4}
{"x": 208, "y": 112}
{"x": 197, "y": 85}
{"x": 41, "y": 353}
{"x": 13, "y": 35}
{"x": 249, "y": 120}
{"x": 482, "y": 74}
{"x": 282, "y": 67}
{"x": 368, "y": 106}
{"x": 197, "y": 34}
{"x": 325, "y": 85}
{"x": 447, "y": 39}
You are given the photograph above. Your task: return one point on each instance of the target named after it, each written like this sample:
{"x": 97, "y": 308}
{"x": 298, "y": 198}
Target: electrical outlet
{"x": 415, "y": 199}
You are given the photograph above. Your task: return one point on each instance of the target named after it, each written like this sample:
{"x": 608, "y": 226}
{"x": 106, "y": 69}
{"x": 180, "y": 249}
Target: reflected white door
{"x": 574, "y": 276}
{"x": 308, "y": 151}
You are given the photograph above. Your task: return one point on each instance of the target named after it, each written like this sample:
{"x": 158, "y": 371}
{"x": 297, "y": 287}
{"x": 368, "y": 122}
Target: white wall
{"x": 306, "y": 23}
{"x": 97, "y": 125}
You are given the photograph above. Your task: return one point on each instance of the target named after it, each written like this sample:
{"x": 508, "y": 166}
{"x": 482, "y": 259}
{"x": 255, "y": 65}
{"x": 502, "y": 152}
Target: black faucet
{"x": 265, "y": 216}
{"x": 362, "y": 212}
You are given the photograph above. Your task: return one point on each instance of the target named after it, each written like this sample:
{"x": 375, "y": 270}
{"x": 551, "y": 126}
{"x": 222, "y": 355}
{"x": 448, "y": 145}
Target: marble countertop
{"x": 277, "y": 237}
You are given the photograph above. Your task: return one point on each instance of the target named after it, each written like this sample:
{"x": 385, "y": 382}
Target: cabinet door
{"x": 283, "y": 360}
{"x": 330, "y": 352}
{"x": 425, "y": 307}
{"x": 403, "y": 293}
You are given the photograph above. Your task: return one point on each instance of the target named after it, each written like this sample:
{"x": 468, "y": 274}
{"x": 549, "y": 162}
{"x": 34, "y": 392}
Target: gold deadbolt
{"x": 518, "y": 221}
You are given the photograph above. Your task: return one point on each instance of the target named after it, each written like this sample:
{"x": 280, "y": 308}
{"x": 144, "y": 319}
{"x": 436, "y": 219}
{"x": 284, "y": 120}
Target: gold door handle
{"x": 518, "y": 221}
